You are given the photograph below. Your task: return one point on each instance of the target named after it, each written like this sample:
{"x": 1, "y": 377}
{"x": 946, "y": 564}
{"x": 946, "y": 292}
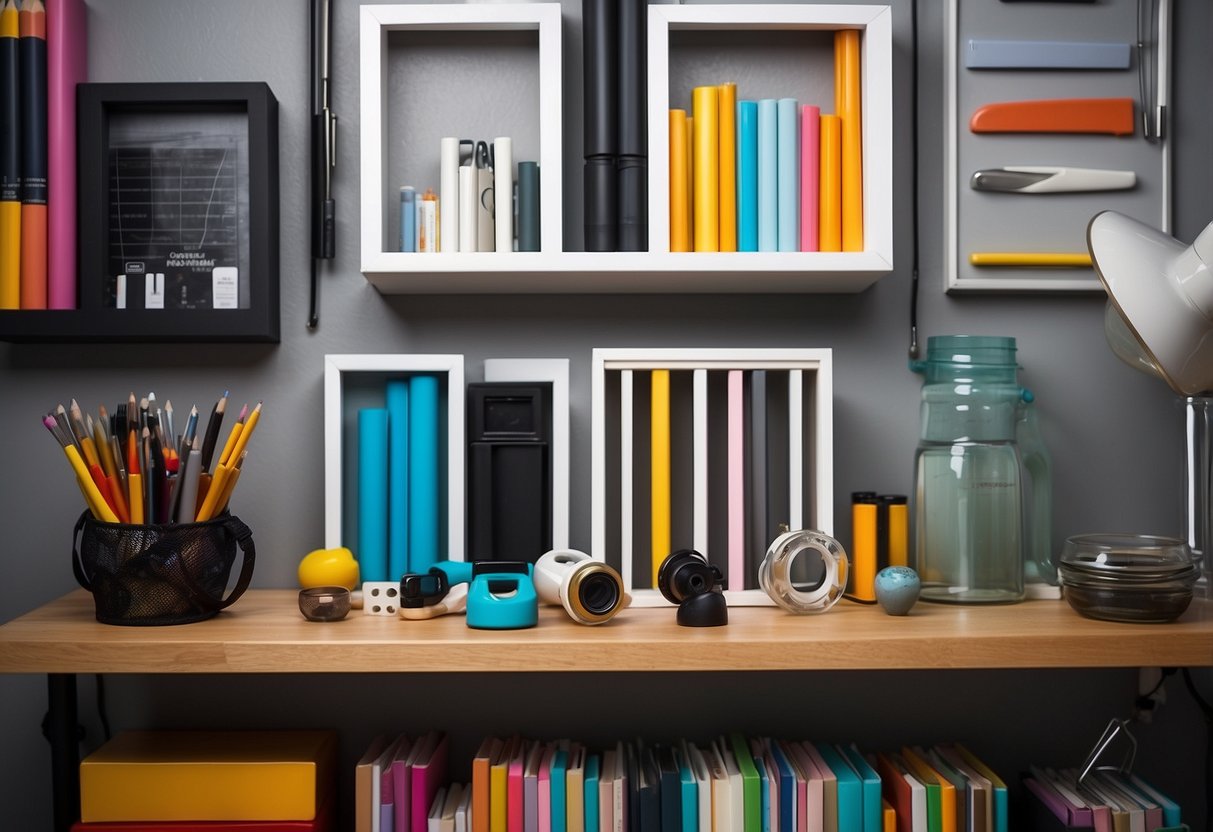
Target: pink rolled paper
{"x": 810, "y": 154}
{"x": 66, "y": 66}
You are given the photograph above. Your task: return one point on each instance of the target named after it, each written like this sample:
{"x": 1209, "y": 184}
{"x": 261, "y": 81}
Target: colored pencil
{"x": 92, "y": 495}
{"x": 212, "y": 431}
{"x": 32, "y": 54}
{"x": 10, "y": 159}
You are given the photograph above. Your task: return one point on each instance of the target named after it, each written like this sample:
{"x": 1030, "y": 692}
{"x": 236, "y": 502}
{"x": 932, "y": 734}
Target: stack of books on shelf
{"x": 43, "y": 56}
{"x": 732, "y": 783}
{"x": 475, "y": 208}
{"x": 769, "y": 175}
{"x": 220, "y": 781}
{"x": 1103, "y": 799}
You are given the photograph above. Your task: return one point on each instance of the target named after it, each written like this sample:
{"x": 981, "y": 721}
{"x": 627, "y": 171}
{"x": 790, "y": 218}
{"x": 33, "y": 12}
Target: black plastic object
{"x": 687, "y": 579}
{"x": 633, "y": 146}
{"x": 170, "y": 574}
{"x": 509, "y": 471}
{"x": 528, "y": 206}
{"x": 601, "y": 203}
{"x": 600, "y": 37}
{"x": 633, "y": 207}
{"x": 423, "y": 589}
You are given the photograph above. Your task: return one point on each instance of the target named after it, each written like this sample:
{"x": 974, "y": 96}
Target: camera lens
{"x": 598, "y": 593}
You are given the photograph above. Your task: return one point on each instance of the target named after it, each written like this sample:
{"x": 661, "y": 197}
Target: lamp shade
{"x": 1160, "y": 299}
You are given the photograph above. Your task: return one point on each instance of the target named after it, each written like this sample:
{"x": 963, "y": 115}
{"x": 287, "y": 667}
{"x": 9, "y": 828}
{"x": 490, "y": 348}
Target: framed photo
{"x": 179, "y": 209}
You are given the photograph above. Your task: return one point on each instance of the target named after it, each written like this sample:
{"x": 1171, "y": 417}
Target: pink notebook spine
{"x": 810, "y": 162}
{"x": 736, "y": 443}
{"x": 427, "y": 778}
{"x": 402, "y": 780}
{"x": 513, "y": 796}
{"x": 66, "y": 66}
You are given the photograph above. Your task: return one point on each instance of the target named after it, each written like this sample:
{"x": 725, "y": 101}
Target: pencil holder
{"x": 167, "y": 574}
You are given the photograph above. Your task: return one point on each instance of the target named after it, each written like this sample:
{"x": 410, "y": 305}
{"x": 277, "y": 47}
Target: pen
{"x": 324, "y": 159}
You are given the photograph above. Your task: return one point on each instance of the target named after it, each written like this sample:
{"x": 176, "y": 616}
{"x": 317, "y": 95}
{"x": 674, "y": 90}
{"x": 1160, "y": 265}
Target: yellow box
{"x": 207, "y": 775}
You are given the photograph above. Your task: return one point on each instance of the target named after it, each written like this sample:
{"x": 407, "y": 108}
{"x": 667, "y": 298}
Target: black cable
{"x": 914, "y": 177}
{"x": 1207, "y": 710}
{"x": 101, "y": 710}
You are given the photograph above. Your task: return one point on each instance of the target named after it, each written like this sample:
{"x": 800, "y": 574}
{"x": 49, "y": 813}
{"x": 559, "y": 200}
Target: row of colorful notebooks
{"x": 1100, "y": 801}
{"x": 769, "y": 175}
{"x": 731, "y": 784}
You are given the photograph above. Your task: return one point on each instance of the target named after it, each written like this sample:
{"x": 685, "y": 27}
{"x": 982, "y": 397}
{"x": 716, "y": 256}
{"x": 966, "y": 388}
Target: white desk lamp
{"x": 1159, "y": 319}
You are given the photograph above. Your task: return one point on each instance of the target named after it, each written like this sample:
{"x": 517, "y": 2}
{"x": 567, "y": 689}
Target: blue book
{"x": 670, "y": 789}
{"x": 408, "y": 219}
{"x": 869, "y": 788}
{"x": 372, "y": 493}
{"x": 787, "y": 787}
{"x": 765, "y": 785}
{"x": 424, "y": 474}
{"x": 593, "y": 767}
{"x": 559, "y": 797}
{"x": 850, "y": 789}
{"x": 768, "y": 176}
{"x": 787, "y": 121}
{"x": 747, "y": 176}
{"x": 398, "y": 478}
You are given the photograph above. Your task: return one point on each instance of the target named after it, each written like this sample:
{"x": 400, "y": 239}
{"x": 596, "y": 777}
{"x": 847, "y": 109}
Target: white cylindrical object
{"x": 467, "y": 208}
{"x": 590, "y": 591}
{"x": 448, "y": 195}
{"x": 427, "y": 225}
{"x": 503, "y": 191}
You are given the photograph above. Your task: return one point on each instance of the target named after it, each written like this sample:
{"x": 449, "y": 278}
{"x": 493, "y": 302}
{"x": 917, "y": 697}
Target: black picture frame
{"x": 147, "y": 105}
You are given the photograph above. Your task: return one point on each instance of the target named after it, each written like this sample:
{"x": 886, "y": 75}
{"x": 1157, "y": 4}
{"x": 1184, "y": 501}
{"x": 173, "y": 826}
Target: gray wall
{"x": 1115, "y": 435}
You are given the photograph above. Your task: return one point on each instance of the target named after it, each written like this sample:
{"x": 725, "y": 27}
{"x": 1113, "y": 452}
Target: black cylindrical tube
{"x": 528, "y": 206}
{"x": 633, "y": 47}
{"x": 601, "y": 221}
{"x": 633, "y": 203}
{"x": 600, "y": 42}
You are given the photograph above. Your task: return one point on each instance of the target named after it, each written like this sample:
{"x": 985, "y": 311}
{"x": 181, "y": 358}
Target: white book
{"x": 703, "y": 783}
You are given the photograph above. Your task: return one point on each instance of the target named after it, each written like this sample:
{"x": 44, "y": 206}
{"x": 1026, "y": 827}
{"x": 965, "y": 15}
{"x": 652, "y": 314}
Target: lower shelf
{"x": 264, "y": 633}
{"x": 133, "y": 326}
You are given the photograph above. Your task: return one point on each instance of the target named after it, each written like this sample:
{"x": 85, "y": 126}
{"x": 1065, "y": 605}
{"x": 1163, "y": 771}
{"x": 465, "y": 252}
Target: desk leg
{"x": 65, "y": 749}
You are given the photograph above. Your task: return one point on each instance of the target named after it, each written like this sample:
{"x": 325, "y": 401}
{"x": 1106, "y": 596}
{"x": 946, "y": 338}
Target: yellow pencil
{"x": 233, "y": 436}
{"x": 134, "y": 484}
{"x": 213, "y": 495}
{"x": 1034, "y": 259}
{"x": 250, "y": 425}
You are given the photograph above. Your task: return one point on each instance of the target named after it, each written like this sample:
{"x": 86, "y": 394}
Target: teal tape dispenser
{"x": 500, "y": 595}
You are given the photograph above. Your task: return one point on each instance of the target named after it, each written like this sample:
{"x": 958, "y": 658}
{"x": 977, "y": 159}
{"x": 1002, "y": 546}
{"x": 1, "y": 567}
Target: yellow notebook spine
{"x": 830, "y": 184}
{"x": 706, "y": 127}
{"x": 680, "y": 227}
{"x": 727, "y": 116}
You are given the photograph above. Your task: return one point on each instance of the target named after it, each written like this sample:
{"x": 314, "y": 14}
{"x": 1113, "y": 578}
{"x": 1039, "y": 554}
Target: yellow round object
{"x": 329, "y": 567}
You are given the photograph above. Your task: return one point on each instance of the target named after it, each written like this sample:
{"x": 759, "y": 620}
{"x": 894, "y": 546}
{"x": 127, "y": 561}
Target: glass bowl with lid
{"x": 1128, "y": 577}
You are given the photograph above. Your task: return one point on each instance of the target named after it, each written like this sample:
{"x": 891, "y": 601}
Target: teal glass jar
{"x": 982, "y": 476}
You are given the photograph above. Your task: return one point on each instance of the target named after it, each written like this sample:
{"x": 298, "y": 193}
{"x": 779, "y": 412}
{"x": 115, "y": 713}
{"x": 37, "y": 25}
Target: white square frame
{"x": 876, "y": 61}
{"x": 815, "y": 361}
{"x": 375, "y": 23}
{"x": 339, "y": 367}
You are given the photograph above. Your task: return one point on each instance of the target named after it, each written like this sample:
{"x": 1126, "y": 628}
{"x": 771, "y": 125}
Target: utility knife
{"x": 1044, "y": 179}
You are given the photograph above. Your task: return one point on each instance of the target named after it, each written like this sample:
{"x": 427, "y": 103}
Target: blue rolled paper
{"x": 398, "y": 478}
{"x": 747, "y": 176}
{"x": 372, "y": 493}
{"x": 768, "y": 172}
{"x": 788, "y": 166}
{"x": 424, "y": 474}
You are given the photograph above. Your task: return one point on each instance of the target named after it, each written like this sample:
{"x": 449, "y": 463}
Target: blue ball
{"x": 897, "y": 589}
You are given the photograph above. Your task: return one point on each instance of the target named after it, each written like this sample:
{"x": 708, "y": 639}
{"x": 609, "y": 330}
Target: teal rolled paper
{"x": 372, "y": 493}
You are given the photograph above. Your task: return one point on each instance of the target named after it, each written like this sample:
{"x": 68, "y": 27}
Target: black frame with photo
{"x": 96, "y": 321}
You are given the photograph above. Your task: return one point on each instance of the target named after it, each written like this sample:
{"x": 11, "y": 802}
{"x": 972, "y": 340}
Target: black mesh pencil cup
{"x": 145, "y": 575}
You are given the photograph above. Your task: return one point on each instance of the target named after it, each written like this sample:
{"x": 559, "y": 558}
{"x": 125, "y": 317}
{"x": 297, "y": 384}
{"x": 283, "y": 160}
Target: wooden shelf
{"x": 264, "y": 633}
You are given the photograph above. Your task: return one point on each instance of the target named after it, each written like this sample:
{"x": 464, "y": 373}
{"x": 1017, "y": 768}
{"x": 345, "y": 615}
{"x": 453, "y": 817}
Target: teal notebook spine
{"x": 869, "y": 789}
{"x": 593, "y": 766}
{"x": 424, "y": 474}
{"x": 768, "y": 176}
{"x": 747, "y": 176}
{"x": 787, "y": 121}
{"x": 559, "y": 797}
{"x": 850, "y": 801}
{"x": 398, "y": 478}
{"x": 689, "y": 790}
{"x": 372, "y": 493}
